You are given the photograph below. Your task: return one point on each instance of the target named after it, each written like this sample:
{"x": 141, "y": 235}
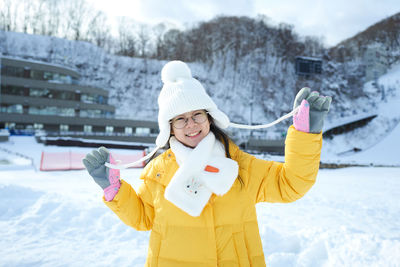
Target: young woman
{"x": 198, "y": 197}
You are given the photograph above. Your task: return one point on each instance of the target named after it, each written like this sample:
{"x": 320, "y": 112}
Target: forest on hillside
{"x": 78, "y": 20}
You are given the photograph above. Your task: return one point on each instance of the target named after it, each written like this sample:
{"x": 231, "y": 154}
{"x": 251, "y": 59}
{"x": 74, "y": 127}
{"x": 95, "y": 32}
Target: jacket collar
{"x": 163, "y": 167}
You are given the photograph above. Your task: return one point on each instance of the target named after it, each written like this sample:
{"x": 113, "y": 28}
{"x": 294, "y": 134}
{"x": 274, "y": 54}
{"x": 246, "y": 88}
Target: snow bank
{"x": 349, "y": 218}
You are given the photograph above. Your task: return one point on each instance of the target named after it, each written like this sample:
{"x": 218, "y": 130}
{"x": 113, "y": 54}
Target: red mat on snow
{"x": 60, "y": 161}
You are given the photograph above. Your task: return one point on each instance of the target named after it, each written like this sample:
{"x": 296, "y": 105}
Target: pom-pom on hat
{"x": 182, "y": 93}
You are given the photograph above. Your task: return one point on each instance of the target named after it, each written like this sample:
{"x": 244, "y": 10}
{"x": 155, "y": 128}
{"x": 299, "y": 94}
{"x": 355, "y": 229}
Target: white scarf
{"x": 202, "y": 171}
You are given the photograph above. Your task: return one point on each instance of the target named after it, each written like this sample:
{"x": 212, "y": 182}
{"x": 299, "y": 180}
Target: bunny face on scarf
{"x": 193, "y": 186}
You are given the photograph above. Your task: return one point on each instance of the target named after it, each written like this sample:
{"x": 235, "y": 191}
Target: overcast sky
{"x": 335, "y": 20}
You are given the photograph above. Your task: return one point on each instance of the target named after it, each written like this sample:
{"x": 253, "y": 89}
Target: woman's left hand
{"x": 313, "y": 109}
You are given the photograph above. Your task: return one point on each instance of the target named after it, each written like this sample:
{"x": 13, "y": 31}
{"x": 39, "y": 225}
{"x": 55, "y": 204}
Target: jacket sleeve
{"x": 134, "y": 209}
{"x": 270, "y": 181}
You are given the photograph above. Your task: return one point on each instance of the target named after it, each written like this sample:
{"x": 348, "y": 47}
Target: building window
{"x": 94, "y": 99}
{"x": 100, "y": 99}
{"x": 12, "y": 90}
{"x": 40, "y": 93}
{"x": 108, "y": 114}
{"x": 46, "y": 93}
{"x": 87, "y": 128}
{"x": 42, "y": 110}
{"x": 48, "y": 75}
{"x": 128, "y": 130}
{"x": 65, "y": 95}
{"x": 91, "y": 113}
{"x": 307, "y": 66}
{"x": 64, "y": 128}
{"x": 10, "y": 125}
{"x": 37, "y": 75}
{"x": 67, "y": 112}
{"x": 12, "y": 108}
{"x": 85, "y": 98}
{"x": 13, "y": 71}
{"x": 154, "y": 131}
{"x": 142, "y": 131}
{"x": 3, "y": 70}
{"x": 109, "y": 129}
{"x": 38, "y": 126}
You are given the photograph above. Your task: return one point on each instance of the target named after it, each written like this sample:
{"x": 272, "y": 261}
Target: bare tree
{"x": 37, "y": 17}
{"x": 171, "y": 45}
{"x": 77, "y": 13}
{"x": 313, "y": 46}
{"x": 126, "y": 43}
{"x": 158, "y": 32}
{"x": 26, "y": 16}
{"x": 54, "y": 15}
{"x": 8, "y": 15}
{"x": 143, "y": 39}
{"x": 99, "y": 31}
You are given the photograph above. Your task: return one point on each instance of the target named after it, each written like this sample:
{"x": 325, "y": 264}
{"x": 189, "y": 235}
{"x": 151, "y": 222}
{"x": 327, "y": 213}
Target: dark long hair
{"x": 224, "y": 139}
{"x": 220, "y": 135}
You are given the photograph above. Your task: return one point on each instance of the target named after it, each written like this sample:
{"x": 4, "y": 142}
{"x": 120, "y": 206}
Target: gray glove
{"x": 318, "y": 108}
{"x": 94, "y": 163}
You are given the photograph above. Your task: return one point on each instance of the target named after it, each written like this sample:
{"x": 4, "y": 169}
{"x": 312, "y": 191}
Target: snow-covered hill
{"x": 381, "y": 134}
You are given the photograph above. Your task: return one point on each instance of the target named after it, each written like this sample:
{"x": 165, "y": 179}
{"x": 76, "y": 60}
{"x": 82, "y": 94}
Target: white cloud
{"x": 335, "y": 20}
{"x": 192, "y": 11}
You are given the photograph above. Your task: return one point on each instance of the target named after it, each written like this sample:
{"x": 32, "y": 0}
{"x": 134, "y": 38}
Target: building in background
{"x": 307, "y": 66}
{"x": 376, "y": 61}
{"x": 39, "y": 96}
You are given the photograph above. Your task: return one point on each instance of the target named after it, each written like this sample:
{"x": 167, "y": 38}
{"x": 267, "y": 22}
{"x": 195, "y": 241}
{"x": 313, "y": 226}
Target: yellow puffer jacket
{"x": 226, "y": 233}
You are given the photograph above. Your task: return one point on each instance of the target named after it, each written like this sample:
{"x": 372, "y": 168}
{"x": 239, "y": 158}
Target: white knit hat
{"x": 182, "y": 93}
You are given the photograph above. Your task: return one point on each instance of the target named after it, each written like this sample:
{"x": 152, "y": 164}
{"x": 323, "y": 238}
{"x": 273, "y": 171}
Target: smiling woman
{"x": 198, "y": 197}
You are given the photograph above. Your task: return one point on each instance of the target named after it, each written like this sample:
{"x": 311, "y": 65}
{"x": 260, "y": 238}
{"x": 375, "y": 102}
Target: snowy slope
{"x": 385, "y": 152}
{"x": 379, "y": 140}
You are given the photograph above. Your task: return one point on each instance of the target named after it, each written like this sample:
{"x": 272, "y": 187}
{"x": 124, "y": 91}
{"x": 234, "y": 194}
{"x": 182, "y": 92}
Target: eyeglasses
{"x": 180, "y": 122}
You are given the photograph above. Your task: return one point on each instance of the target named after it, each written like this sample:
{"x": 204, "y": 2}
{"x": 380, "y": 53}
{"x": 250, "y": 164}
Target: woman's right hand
{"x": 107, "y": 179}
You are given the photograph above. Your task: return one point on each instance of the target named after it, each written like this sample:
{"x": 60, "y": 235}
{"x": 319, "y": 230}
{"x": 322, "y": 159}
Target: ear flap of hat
{"x": 164, "y": 134}
{"x": 220, "y": 118}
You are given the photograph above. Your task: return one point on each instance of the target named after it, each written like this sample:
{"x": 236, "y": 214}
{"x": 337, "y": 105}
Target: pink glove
{"x": 113, "y": 178}
{"x": 301, "y": 120}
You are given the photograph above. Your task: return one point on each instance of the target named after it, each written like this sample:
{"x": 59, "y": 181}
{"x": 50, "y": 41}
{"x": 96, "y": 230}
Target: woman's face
{"x": 191, "y": 127}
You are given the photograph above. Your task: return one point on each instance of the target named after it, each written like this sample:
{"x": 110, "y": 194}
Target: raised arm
{"x": 270, "y": 181}
{"x": 289, "y": 181}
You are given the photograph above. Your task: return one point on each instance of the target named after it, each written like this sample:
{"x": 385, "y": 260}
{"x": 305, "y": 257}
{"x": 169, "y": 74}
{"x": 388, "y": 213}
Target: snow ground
{"x": 349, "y": 218}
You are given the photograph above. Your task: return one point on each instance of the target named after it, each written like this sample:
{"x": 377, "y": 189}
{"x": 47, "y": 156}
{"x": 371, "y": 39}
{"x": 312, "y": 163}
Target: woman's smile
{"x": 195, "y": 134}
